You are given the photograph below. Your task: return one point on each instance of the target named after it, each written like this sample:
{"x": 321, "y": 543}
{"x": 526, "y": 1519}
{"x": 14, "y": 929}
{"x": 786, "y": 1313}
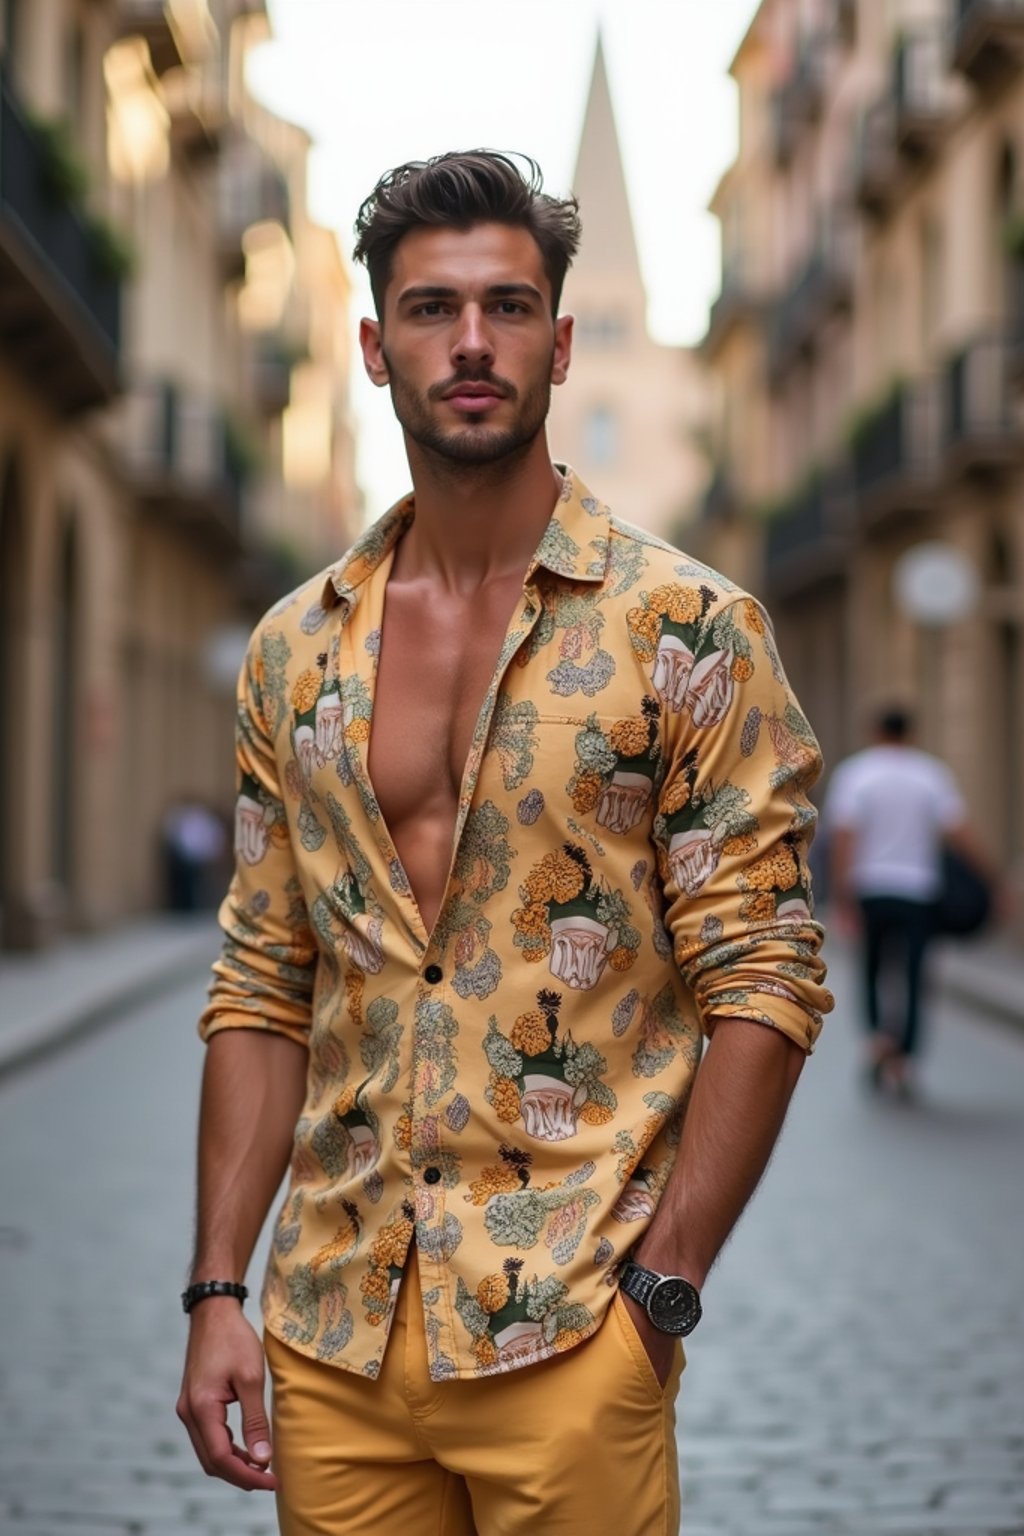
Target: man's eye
{"x": 434, "y": 307}
{"x": 512, "y": 307}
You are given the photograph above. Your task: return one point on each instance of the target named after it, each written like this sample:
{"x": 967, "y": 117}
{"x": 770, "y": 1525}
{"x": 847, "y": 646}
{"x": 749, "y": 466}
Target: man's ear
{"x": 562, "y": 355}
{"x": 373, "y": 352}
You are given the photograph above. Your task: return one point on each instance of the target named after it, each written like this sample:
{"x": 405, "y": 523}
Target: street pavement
{"x": 859, "y": 1372}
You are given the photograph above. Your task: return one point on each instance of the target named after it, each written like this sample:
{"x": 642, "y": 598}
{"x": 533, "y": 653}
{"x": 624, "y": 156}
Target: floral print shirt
{"x": 505, "y": 1093}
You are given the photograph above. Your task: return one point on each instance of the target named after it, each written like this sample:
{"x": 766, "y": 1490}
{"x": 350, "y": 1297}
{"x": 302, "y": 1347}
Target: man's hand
{"x": 225, "y": 1364}
{"x": 659, "y": 1347}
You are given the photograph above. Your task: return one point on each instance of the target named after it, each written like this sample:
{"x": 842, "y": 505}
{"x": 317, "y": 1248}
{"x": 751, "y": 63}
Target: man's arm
{"x": 253, "y": 1089}
{"x": 256, "y": 1026}
{"x": 744, "y": 938}
{"x": 739, "y": 1101}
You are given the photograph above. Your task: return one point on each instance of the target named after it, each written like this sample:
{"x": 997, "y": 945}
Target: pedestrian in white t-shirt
{"x": 890, "y": 810}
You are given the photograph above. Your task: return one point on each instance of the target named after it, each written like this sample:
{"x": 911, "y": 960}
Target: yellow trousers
{"x": 582, "y": 1444}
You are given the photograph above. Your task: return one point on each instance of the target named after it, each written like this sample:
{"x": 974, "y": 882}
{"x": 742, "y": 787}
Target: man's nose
{"x": 473, "y": 343}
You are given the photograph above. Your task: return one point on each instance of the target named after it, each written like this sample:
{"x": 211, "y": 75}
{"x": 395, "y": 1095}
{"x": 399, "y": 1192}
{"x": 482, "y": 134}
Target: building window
{"x": 600, "y": 437}
{"x": 607, "y": 329}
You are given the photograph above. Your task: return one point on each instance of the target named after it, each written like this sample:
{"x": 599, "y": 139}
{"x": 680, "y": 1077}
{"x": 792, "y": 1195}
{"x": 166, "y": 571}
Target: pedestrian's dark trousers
{"x": 896, "y": 934}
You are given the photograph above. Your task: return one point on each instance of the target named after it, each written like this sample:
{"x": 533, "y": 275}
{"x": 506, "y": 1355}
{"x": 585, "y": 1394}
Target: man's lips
{"x": 473, "y": 397}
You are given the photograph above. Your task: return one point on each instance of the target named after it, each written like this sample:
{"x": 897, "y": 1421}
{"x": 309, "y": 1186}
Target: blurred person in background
{"x": 471, "y": 952}
{"x": 194, "y": 843}
{"x": 890, "y": 812}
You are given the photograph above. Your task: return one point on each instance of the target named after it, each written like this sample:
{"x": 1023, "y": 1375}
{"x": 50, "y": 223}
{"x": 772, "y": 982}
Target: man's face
{"x": 467, "y": 341}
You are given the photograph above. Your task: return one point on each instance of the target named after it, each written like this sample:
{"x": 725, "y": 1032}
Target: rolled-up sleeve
{"x": 733, "y": 830}
{"x": 264, "y": 976}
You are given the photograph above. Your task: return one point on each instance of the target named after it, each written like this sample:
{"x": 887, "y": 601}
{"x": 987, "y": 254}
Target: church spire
{"x": 599, "y": 182}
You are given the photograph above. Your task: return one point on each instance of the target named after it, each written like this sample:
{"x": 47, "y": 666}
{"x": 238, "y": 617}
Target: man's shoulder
{"x": 300, "y": 612}
{"x": 639, "y": 561}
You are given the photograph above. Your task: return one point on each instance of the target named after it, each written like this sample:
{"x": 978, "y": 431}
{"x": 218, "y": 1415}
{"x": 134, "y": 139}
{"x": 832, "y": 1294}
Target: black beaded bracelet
{"x": 207, "y": 1288}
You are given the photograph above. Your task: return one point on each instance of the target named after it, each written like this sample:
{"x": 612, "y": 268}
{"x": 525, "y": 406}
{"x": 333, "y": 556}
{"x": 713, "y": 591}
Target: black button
{"x": 433, "y": 974}
{"x": 431, "y": 1175}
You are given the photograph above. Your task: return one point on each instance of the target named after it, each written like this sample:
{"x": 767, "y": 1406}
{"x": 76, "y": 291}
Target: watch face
{"x": 674, "y": 1306}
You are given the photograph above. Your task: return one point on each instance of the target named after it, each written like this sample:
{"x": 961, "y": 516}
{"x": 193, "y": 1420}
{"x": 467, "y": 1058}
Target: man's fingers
{"x": 255, "y": 1425}
{"x": 219, "y": 1455}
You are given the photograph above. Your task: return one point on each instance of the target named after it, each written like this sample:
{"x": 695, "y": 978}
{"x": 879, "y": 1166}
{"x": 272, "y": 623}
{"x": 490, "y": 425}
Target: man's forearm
{"x": 739, "y": 1101}
{"x": 253, "y": 1089}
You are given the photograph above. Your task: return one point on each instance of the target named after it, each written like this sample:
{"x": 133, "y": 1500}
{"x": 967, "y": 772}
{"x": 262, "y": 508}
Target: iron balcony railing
{"x": 988, "y": 37}
{"x": 61, "y": 317}
{"x": 1015, "y": 323}
{"x": 800, "y": 97}
{"x": 807, "y": 538}
{"x": 718, "y": 504}
{"x": 877, "y": 167}
{"x": 251, "y": 189}
{"x": 896, "y": 453}
{"x": 984, "y": 420}
{"x": 823, "y": 285}
{"x": 152, "y": 21}
{"x": 923, "y": 90}
{"x": 183, "y": 455}
{"x": 737, "y": 301}
{"x": 844, "y": 19}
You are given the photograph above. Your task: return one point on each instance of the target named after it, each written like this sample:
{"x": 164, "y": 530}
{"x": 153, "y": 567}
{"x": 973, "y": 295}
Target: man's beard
{"x": 480, "y": 444}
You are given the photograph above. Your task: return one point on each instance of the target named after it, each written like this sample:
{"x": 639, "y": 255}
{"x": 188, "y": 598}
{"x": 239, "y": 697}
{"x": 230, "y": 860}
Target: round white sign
{"x": 935, "y": 583}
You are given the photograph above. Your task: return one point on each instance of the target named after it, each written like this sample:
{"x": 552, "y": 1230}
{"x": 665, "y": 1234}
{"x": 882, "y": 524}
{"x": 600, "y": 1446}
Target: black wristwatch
{"x": 671, "y": 1303}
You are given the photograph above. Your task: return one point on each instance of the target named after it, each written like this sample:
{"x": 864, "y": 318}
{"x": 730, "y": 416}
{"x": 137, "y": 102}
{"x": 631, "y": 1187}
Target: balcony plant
{"x": 66, "y": 181}
{"x": 1013, "y": 236}
{"x": 113, "y": 254}
{"x": 65, "y": 175}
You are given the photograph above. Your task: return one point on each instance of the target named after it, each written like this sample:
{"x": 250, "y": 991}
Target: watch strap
{"x": 638, "y": 1282}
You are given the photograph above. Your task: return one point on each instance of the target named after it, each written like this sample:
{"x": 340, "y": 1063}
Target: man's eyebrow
{"x": 426, "y": 291}
{"x": 496, "y": 291}
{"x": 514, "y": 290}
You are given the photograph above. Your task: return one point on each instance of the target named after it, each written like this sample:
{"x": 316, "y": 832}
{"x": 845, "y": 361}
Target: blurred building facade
{"x": 630, "y": 416}
{"x": 175, "y": 443}
{"x": 866, "y": 354}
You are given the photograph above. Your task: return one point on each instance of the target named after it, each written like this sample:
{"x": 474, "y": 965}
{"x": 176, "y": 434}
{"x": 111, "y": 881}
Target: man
{"x": 890, "y": 809}
{"x": 523, "y": 812}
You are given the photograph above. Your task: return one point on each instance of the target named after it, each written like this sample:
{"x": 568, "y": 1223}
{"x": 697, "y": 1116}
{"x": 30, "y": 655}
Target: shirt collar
{"x": 575, "y": 543}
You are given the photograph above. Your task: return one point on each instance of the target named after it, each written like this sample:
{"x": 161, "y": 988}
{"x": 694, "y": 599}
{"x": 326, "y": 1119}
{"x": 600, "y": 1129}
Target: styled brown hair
{"x": 456, "y": 191}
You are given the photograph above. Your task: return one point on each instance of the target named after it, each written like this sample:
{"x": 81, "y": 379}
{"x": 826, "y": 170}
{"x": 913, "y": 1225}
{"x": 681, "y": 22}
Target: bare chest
{"x": 435, "y": 667}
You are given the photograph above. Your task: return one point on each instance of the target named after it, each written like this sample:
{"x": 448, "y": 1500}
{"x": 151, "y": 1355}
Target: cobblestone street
{"x": 858, "y": 1372}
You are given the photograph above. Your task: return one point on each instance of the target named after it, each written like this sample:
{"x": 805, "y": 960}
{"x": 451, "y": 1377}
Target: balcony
{"x": 184, "y": 460}
{"x": 60, "y": 306}
{"x": 798, "y": 101}
{"x": 844, "y": 20}
{"x": 984, "y": 419}
{"x": 823, "y": 287}
{"x": 1015, "y": 323}
{"x": 988, "y": 39}
{"x": 272, "y": 376}
{"x": 877, "y": 167}
{"x": 896, "y": 452}
{"x": 923, "y": 91}
{"x": 167, "y": 34}
{"x": 719, "y": 504}
{"x": 808, "y": 538}
{"x": 250, "y": 190}
{"x": 739, "y": 303}
{"x": 196, "y": 99}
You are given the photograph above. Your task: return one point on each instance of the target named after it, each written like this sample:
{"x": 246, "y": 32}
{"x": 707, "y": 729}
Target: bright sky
{"x": 378, "y": 82}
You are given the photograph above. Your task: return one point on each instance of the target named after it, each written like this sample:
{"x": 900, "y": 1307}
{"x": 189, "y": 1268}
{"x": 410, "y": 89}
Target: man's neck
{"x": 476, "y": 523}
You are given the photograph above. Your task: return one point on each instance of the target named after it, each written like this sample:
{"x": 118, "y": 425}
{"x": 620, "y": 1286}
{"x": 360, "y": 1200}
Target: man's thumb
{"x": 255, "y": 1428}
